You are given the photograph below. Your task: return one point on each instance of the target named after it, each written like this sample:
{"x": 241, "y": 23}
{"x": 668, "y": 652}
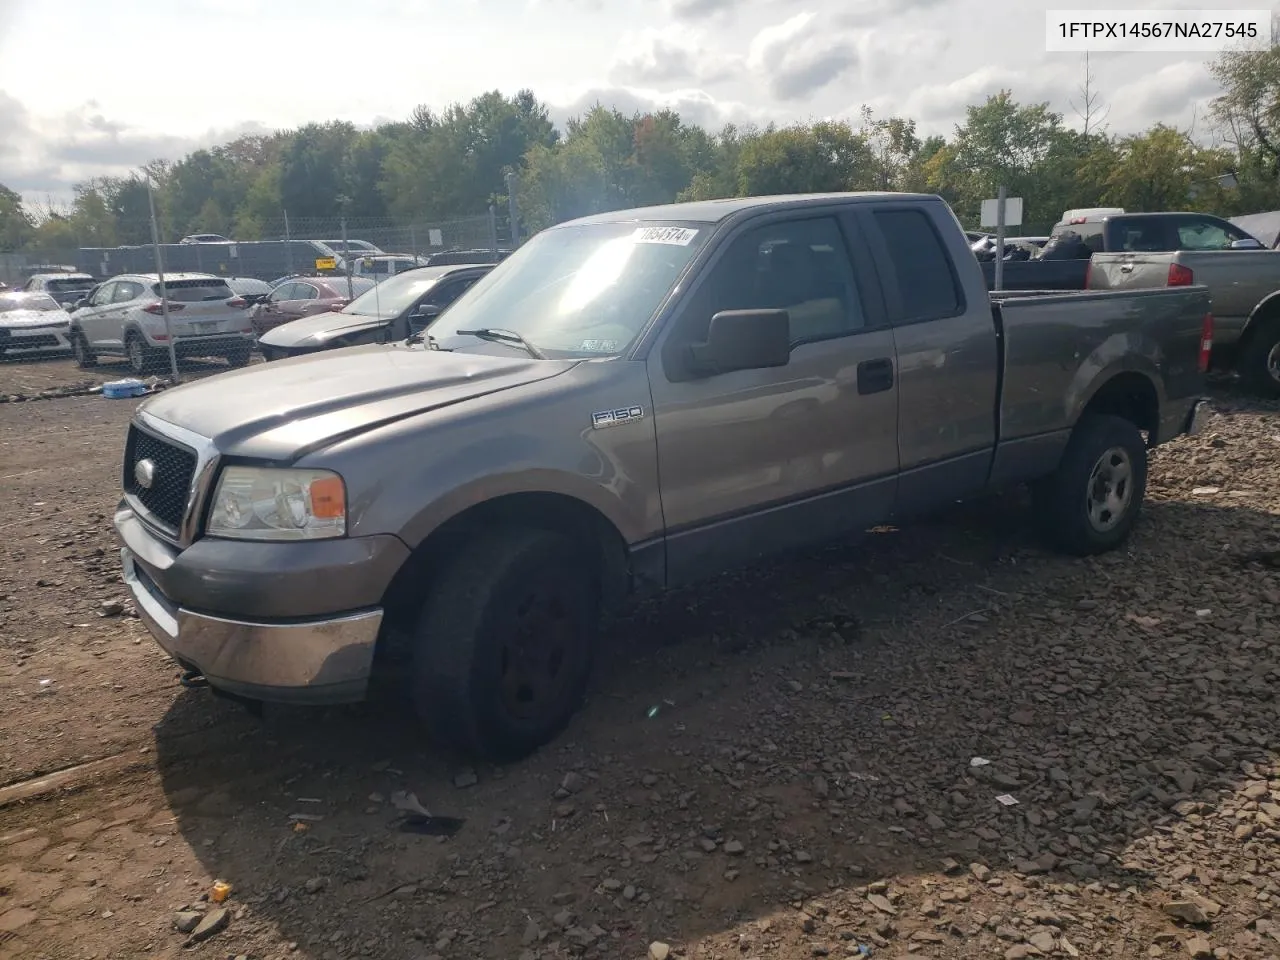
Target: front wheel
{"x": 504, "y": 644}
{"x": 1091, "y": 502}
{"x": 1259, "y": 363}
{"x": 84, "y": 356}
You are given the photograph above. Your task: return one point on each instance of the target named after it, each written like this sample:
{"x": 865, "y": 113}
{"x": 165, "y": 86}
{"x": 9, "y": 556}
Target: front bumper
{"x": 284, "y": 625}
{"x": 315, "y": 661}
{"x": 34, "y": 338}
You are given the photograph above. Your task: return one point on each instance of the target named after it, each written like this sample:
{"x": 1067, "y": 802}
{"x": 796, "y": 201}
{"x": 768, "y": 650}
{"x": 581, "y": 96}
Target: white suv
{"x": 124, "y": 316}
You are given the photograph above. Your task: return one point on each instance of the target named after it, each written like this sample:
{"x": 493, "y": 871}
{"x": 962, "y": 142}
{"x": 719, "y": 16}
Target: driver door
{"x": 753, "y": 462}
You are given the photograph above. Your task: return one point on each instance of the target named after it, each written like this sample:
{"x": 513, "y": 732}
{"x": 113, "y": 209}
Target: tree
{"x": 1158, "y": 170}
{"x": 1091, "y": 109}
{"x": 1248, "y": 108}
{"x": 16, "y": 226}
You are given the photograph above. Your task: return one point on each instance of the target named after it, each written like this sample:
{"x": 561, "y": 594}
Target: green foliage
{"x": 435, "y": 166}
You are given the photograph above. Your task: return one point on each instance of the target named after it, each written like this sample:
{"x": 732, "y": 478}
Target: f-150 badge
{"x": 611, "y": 418}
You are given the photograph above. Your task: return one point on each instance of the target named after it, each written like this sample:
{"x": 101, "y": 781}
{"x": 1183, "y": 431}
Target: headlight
{"x": 273, "y": 503}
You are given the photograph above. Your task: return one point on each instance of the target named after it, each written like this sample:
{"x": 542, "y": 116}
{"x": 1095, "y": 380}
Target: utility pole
{"x": 288, "y": 241}
{"x": 164, "y": 292}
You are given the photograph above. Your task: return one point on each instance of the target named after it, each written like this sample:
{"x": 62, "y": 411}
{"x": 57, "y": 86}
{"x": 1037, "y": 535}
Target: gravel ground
{"x": 802, "y": 760}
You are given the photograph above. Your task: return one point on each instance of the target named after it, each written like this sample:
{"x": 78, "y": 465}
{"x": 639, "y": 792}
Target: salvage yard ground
{"x": 779, "y": 764}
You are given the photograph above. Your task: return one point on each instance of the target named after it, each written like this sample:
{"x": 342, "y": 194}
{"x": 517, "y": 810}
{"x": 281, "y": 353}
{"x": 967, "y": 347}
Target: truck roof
{"x": 713, "y": 211}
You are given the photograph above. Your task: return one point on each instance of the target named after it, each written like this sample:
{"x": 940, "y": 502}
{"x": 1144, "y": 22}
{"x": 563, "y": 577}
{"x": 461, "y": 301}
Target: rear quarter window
{"x": 924, "y": 275}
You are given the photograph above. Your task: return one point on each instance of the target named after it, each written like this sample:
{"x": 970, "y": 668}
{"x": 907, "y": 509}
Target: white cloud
{"x": 713, "y": 60}
{"x": 800, "y": 56}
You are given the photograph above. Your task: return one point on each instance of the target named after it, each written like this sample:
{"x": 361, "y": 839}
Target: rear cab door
{"x": 948, "y": 357}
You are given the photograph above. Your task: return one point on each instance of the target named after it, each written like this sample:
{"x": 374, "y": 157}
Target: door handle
{"x": 875, "y": 376}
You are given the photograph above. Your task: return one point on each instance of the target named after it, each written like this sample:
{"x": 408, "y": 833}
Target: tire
{"x": 1259, "y": 361}
{"x": 80, "y": 350}
{"x": 468, "y": 687}
{"x": 142, "y": 358}
{"x": 239, "y": 357}
{"x": 1091, "y": 502}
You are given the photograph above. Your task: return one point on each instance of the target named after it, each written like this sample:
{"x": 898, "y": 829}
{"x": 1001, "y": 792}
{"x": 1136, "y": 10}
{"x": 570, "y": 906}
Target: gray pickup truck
{"x": 1244, "y": 288}
{"x": 630, "y": 402}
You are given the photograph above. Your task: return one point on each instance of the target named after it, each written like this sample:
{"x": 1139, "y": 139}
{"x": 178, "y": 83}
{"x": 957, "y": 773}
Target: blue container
{"x": 123, "y": 389}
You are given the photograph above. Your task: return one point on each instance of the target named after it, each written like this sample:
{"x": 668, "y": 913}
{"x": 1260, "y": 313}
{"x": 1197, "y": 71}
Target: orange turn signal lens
{"x": 328, "y": 498}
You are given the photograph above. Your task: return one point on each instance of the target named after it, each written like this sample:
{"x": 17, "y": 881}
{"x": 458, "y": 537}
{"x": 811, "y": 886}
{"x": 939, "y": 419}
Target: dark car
{"x": 395, "y": 308}
{"x": 300, "y": 297}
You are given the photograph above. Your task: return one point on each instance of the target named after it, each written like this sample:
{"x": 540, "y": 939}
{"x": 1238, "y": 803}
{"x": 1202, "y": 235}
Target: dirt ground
{"x": 802, "y": 760}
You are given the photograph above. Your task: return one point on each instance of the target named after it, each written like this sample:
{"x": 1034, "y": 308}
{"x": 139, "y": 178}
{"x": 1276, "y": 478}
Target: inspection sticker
{"x": 676, "y": 236}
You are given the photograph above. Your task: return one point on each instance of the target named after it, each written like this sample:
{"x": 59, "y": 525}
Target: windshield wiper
{"x": 503, "y": 335}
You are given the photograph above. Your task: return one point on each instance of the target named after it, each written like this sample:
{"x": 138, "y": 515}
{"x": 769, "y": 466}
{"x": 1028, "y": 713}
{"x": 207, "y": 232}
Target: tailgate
{"x": 1129, "y": 271}
{"x": 201, "y": 307}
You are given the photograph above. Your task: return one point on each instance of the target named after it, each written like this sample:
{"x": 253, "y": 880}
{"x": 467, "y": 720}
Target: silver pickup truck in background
{"x": 1244, "y": 286}
{"x": 630, "y": 402}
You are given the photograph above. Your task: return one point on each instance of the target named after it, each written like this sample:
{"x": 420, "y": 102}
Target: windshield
{"x": 392, "y": 296}
{"x": 28, "y": 301}
{"x": 579, "y": 291}
{"x": 195, "y": 291}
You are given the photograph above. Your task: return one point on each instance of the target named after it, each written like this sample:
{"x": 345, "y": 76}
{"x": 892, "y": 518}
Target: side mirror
{"x": 427, "y": 311}
{"x": 744, "y": 340}
{"x": 82, "y": 302}
{"x": 1246, "y": 244}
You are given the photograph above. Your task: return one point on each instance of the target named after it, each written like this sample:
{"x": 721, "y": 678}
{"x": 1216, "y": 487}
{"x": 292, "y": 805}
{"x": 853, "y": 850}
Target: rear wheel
{"x": 504, "y": 644}
{"x": 1091, "y": 502}
{"x": 239, "y": 357}
{"x": 84, "y": 356}
{"x": 1259, "y": 363}
{"x": 142, "y": 358}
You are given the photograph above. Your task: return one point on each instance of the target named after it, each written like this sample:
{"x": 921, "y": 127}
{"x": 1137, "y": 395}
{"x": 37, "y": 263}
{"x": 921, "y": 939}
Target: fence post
{"x": 512, "y": 210}
{"x": 493, "y": 231}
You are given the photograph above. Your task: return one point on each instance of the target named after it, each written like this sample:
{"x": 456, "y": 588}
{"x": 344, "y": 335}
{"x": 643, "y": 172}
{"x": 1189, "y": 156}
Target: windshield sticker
{"x": 676, "y": 236}
{"x": 599, "y": 346}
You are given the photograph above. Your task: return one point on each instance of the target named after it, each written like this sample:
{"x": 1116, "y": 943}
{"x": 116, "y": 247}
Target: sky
{"x": 88, "y": 89}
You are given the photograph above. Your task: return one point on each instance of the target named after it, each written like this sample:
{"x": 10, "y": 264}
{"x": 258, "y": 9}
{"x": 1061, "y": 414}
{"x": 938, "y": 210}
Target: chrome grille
{"x": 173, "y": 467}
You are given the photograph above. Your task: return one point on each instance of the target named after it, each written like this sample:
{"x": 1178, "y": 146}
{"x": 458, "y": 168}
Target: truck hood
{"x": 282, "y": 410}
{"x": 320, "y": 328}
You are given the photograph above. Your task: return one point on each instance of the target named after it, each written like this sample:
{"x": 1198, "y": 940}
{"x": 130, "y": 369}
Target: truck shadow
{"x": 823, "y": 712}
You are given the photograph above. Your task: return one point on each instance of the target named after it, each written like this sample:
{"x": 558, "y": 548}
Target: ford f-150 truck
{"x": 1244, "y": 286}
{"x": 630, "y": 402}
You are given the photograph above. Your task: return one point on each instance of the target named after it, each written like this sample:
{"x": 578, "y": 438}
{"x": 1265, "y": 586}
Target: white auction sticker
{"x": 1156, "y": 31}
{"x": 676, "y": 236}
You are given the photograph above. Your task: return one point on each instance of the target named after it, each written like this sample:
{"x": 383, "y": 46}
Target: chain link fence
{"x": 45, "y": 350}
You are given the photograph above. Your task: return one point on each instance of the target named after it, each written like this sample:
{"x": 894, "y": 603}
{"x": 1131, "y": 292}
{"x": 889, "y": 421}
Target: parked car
{"x": 361, "y": 248}
{"x": 303, "y": 297}
{"x": 125, "y": 316}
{"x": 205, "y": 238}
{"x": 631, "y": 401}
{"x": 66, "y": 288}
{"x": 380, "y": 267}
{"x": 252, "y": 290}
{"x": 1244, "y": 285}
{"x": 32, "y": 322}
{"x": 392, "y": 310}
{"x": 1154, "y": 233}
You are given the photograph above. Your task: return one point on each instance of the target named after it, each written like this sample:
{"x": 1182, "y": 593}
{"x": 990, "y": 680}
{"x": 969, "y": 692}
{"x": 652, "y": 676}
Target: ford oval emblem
{"x": 144, "y": 471}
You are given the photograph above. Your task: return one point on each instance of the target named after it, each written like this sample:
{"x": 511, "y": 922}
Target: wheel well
{"x": 1266, "y": 312}
{"x": 598, "y": 537}
{"x": 1131, "y": 396}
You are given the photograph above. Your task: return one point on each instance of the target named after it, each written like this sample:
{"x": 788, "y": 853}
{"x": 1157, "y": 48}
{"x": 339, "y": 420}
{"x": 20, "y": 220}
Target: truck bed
{"x": 1056, "y": 346}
